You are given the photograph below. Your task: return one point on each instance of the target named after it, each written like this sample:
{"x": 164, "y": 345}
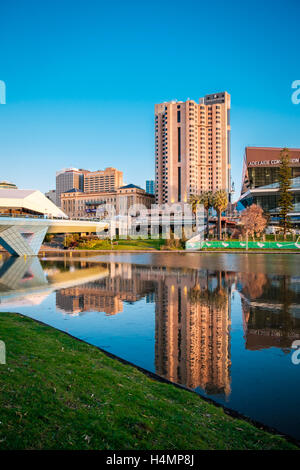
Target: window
{"x": 179, "y": 143}
{"x": 178, "y": 116}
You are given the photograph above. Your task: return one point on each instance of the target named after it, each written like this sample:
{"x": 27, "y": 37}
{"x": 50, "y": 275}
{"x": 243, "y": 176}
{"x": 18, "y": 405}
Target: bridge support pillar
{"x": 20, "y": 240}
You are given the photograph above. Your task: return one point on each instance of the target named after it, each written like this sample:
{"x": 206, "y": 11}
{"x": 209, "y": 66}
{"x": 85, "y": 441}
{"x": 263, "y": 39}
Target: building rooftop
{"x": 131, "y": 186}
{"x": 278, "y": 149}
{"x": 15, "y": 193}
{"x": 7, "y": 185}
{"x": 73, "y": 190}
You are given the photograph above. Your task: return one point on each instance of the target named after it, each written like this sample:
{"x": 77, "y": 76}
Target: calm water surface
{"x": 221, "y": 324}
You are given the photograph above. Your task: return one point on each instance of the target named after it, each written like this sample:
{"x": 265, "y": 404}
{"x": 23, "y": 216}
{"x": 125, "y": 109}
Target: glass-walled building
{"x": 261, "y": 179}
{"x": 150, "y": 187}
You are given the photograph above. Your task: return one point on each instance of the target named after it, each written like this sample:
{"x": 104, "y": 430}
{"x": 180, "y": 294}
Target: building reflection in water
{"x": 192, "y": 318}
{"x": 271, "y": 310}
{"x": 192, "y": 309}
{"x": 192, "y": 342}
{"x": 124, "y": 284}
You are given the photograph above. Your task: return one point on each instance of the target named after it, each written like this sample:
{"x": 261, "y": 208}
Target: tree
{"x": 194, "y": 200}
{"x": 71, "y": 240}
{"x": 253, "y": 220}
{"x": 285, "y": 196}
{"x": 220, "y": 203}
{"x": 183, "y": 238}
{"x": 206, "y": 198}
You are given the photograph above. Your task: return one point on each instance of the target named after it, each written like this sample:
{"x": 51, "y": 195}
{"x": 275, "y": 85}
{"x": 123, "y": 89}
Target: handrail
{"x": 23, "y": 216}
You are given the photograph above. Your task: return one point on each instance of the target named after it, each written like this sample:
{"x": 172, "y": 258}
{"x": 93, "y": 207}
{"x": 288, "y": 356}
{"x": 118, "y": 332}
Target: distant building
{"x": 192, "y": 147}
{"x": 109, "y": 179}
{"x": 67, "y": 179}
{"x": 7, "y": 185}
{"x": 261, "y": 179}
{"x": 80, "y": 204}
{"x": 14, "y": 202}
{"x": 150, "y": 186}
{"x": 51, "y": 195}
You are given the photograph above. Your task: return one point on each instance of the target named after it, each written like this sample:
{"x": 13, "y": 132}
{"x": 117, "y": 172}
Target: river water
{"x": 224, "y": 325}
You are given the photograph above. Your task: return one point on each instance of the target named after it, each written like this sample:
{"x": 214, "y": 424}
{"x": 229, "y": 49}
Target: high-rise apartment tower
{"x": 192, "y": 147}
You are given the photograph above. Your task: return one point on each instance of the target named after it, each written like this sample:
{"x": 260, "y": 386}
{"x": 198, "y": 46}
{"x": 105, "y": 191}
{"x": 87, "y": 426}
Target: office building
{"x": 80, "y": 204}
{"x": 150, "y": 187}
{"x": 109, "y": 179}
{"x": 106, "y": 180}
{"x": 192, "y": 147}
{"x": 261, "y": 179}
{"x": 51, "y": 195}
{"x": 67, "y": 179}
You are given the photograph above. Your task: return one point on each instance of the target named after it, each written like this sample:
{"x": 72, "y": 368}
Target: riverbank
{"x": 60, "y": 393}
{"x": 162, "y": 246}
{"x": 70, "y": 252}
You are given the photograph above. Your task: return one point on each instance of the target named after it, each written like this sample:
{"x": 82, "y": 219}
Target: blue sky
{"x": 82, "y": 78}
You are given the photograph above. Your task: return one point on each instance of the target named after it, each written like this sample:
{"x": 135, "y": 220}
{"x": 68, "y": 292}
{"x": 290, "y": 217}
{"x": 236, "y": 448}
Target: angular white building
{"x": 27, "y": 208}
{"x": 27, "y": 202}
{"x": 27, "y": 215}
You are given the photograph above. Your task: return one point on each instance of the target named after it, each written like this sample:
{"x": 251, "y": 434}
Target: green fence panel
{"x": 243, "y": 245}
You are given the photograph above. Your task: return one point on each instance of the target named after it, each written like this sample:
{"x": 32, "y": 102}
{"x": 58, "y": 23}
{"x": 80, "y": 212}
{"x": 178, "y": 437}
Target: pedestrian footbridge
{"x": 23, "y": 236}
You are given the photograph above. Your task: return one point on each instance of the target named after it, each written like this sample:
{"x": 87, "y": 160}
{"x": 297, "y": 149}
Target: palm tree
{"x": 220, "y": 203}
{"x": 194, "y": 200}
{"x": 206, "y": 198}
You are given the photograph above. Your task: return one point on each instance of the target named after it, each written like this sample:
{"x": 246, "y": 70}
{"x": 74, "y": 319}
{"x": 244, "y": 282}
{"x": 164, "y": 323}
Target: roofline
{"x": 272, "y": 148}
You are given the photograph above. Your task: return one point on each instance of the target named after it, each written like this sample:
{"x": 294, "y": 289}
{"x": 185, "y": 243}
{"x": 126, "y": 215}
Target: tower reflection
{"x": 192, "y": 343}
{"x": 192, "y": 317}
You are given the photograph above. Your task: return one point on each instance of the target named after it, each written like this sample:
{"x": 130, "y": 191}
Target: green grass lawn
{"x": 59, "y": 393}
{"x": 122, "y": 245}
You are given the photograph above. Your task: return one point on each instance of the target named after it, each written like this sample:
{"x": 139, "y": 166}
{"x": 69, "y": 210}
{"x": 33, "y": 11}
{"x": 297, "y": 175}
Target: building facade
{"x": 106, "y": 180}
{"x": 79, "y": 204}
{"x": 109, "y": 179}
{"x": 27, "y": 202}
{"x": 51, "y": 195}
{"x": 261, "y": 179}
{"x": 66, "y": 179}
{"x": 150, "y": 187}
{"x": 192, "y": 147}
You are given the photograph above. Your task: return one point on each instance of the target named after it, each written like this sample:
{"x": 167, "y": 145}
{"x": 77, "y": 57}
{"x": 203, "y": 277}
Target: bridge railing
{"x": 21, "y": 216}
{"x": 47, "y": 217}
{"x": 29, "y": 216}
